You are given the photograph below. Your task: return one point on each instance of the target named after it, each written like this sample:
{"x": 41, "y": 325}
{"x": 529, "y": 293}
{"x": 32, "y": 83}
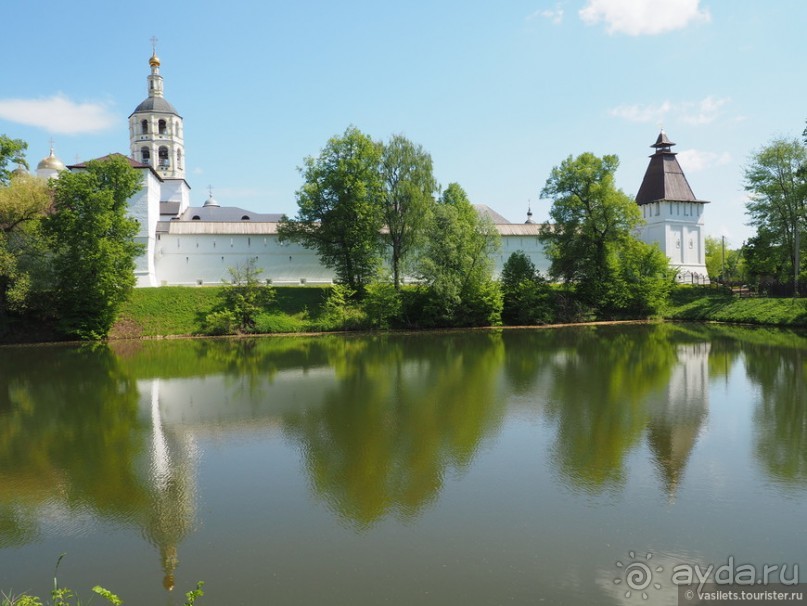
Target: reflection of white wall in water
{"x": 689, "y": 383}
{"x": 677, "y": 413}
{"x": 194, "y": 404}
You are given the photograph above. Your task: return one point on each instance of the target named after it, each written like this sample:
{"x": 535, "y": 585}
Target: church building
{"x": 197, "y": 245}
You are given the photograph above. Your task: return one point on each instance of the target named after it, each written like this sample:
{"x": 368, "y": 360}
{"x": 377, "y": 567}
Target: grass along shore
{"x": 180, "y": 311}
{"x": 700, "y": 304}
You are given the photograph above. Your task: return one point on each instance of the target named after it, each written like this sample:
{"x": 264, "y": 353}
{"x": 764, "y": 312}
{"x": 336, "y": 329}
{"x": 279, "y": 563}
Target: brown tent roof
{"x": 664, "y": 179}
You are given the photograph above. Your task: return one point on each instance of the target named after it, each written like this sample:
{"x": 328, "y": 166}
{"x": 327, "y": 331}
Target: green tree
{"x": 23, "y": 204}
{"x": 776, "y": 181}
{"x": 590, "y": 243}
{"x": 456, "y": 264}
{"x": 722, "y": 262}
{"x": 527, "y": 295}
{"x": 406, "y": 170}
{"x": 11, "y": 151}
{"x": 244, "y": 297}
{"x": 92, "y": 240}
{"x": 340, "y": 213}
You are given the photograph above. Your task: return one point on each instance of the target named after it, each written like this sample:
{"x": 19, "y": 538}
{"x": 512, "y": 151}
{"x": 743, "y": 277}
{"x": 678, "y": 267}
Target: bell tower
{"x": 156, "y": 131}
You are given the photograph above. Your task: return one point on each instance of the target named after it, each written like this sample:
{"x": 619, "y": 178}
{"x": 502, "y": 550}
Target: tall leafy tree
{"x": 406, "y": 170}
{"x": 92, "y": 239}
{"x": 456, "y": 264}
{"x": 339, "y": 208}
{"x": 12, "y": 151}
{"x": 776, "y": 181}
{"x": 527, "y": 295}
{"x": 590, "y": 241}
{"x": 23, "y": 204}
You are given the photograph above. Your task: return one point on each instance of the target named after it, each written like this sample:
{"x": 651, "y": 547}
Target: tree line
{"x": 406, "y": 252}
{"x": 374, "y": 213}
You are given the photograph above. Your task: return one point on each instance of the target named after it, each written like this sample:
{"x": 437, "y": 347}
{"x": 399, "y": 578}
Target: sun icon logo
{"x": 637, "y": 575}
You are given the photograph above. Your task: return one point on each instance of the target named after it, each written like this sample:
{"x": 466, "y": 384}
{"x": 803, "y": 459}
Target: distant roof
{"x": 486, "y": 211}
{"x": 169, "y": 208}
{"x": 133, "y": 163}
{"x": 156, "y": 105}
{"x": 664, "y": 179}
{"x": 227, "y": 214}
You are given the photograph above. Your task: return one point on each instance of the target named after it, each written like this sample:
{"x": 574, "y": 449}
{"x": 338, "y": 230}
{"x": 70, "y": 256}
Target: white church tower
{"x": 155, "y": 129}
{"x": 157, "y": 148}
{"x": 673, "y": 216}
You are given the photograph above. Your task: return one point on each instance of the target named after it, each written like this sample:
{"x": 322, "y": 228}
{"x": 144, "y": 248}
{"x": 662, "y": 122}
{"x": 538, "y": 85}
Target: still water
{"x": 513, "y": 467}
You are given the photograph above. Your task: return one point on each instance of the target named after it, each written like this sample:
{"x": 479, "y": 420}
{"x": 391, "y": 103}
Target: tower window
{"x": 161, "y": 127}
{"x": 146, "y": 155}
{"x": 179, "y": 158}
{"x": 163, "y": 155}
{"x": 144, "y": 127}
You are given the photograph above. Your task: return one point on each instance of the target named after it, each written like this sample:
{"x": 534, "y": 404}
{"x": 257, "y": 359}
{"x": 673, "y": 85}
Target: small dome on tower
{"x": 19, "y": 171}
{"x": 51, "y": 163}
{"x": 154, "y": 61}
{"x": 211, "y": 201}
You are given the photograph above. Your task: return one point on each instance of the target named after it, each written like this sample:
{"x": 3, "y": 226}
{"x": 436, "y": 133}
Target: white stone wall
{"x": 144, "y": 206}
{"x": 677, "y": 228}
{"x": 205, "y": 258}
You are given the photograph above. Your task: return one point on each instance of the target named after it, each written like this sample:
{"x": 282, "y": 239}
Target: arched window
{"x": 161, "y": 127}
{"x": 146, "y": 155}
{"x": 196, "y": 218}
{"x": 245, "y": 218}
{"x": 179, "y": 158}
{"x": 163, "y": 155}
{"x": 144, "y": 126}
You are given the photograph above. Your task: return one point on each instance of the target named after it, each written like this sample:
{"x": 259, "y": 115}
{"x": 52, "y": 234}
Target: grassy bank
{"x": 700, "y": 304}
{"x": 181, "y": 310}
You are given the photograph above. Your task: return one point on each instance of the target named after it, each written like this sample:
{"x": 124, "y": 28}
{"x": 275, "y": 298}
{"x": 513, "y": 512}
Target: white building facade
{"x": 187, "y": 245}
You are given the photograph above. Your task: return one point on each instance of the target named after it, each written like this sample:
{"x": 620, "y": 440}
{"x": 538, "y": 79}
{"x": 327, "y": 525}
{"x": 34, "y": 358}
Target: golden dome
{"x": 51, "y": 162}
{"x": 155, "y": 60}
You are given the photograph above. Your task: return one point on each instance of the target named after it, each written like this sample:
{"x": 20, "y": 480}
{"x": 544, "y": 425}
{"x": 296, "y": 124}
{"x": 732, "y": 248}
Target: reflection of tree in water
{"x": 71, "y": 436}
{"x": 68, "y": 432}
{"x": 781, "y": 414}
{"x": 601, "y": 377}
{"x": 406, "y": 409}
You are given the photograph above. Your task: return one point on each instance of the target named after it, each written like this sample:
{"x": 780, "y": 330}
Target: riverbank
{"x": 706, "y": 305}
{"x": 176, "y": 311}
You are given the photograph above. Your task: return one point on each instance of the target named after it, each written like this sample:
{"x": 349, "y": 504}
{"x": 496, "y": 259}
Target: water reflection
{"x": 381, "y": 422}
{"x": 601, "y": 378}
{"x": 402, "y": 413}
{"x": 68, "y": 438}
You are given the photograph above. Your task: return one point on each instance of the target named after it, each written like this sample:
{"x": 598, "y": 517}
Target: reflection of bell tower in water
{"x": 677, "y": 414}
{"x": 172, "y": 487}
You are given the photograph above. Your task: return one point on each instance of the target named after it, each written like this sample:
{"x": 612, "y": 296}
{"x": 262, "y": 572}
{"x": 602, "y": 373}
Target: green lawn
{"x": 701, "y": 304}
{"x": 180, "y": 310}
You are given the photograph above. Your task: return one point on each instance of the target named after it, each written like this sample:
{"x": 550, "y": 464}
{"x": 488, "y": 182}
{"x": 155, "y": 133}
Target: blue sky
{"x": 498, "y": 93}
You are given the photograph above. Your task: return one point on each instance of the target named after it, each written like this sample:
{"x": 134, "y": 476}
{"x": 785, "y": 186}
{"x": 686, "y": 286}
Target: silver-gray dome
{"x": 156, "y": 104}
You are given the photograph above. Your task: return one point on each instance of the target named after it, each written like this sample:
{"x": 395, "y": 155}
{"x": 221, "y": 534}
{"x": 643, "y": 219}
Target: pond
{"x": 481, "y": 467}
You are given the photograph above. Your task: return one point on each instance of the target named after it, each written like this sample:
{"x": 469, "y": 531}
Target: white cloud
{"x": 59, "y": 114}
{"x": 694, "y": 160}
{"x": 643, "y": 17}
{"x": 701, "y": 112}
{"x": 642, "y": 113}
{"x": 555, "y": 15}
